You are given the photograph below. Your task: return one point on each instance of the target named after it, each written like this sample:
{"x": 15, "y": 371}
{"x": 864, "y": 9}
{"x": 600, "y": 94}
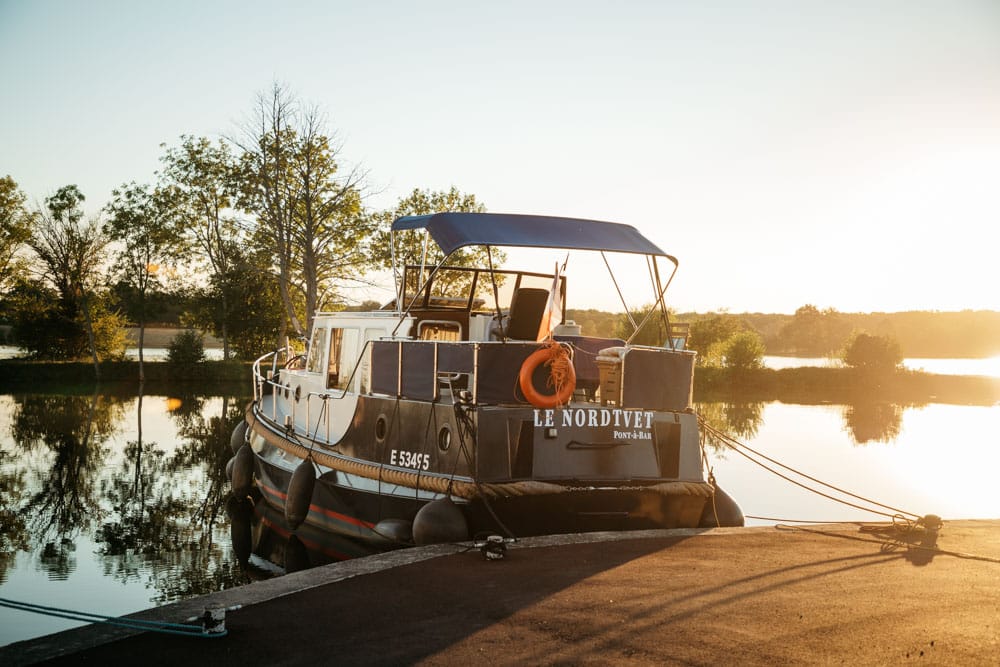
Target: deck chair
{"x": 526, "y": 309}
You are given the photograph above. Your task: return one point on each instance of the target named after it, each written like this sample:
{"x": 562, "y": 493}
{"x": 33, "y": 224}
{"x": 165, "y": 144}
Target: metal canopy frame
{"x": 452, "y": 231}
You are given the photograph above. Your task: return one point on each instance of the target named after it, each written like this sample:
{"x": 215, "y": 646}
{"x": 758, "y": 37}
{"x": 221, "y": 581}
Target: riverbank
{"x": 20, "y": 374}
{"x": 811, "y": 385}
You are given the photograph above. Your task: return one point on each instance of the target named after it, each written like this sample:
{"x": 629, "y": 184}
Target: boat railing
{"x": 265, "y": 383}
{"x": 647, "y": 377}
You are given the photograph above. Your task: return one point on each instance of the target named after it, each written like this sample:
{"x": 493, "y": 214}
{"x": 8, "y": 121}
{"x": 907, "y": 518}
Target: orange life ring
{"x": 539, "y": 400}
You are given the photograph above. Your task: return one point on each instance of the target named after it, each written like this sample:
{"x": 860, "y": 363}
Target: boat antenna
{"x": 659, "y": 296}
{"x": 396, "y": 276}
{"x": 496, "y": 294}
{"x": 621, "y": 297}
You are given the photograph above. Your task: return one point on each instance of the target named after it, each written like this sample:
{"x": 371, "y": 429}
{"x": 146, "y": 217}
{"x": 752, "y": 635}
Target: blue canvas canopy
{"x": 456, "y": 230}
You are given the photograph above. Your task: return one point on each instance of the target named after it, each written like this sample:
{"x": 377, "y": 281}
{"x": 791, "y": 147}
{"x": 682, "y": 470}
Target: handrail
{"x": 260, "y": 380}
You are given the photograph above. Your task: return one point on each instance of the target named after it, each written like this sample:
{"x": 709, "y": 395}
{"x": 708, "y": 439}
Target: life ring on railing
{"x": 550, "y": 356}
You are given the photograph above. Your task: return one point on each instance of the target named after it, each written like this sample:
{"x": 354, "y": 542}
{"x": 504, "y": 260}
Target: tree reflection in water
{"x": 738, "y": 419}
{"x": 204, "y": 443}
{"x": 64, "y": 499}
{"x": 872, "y": 421}
{"x": 166, "y": 514}
{"x": 154, "y": 508}
{"x": 13, "y": 530}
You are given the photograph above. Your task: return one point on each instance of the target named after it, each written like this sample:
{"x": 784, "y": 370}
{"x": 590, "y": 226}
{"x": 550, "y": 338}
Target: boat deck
{"x": 822, "y": 594}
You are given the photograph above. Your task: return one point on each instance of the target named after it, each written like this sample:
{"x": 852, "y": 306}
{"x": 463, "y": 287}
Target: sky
{"x": 842, "y": 154}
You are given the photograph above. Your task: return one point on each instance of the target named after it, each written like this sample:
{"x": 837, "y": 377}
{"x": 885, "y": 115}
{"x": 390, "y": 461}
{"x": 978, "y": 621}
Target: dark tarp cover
{"x": 455, "y": 230}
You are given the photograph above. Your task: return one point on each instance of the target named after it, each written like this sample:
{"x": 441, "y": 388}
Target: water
{"x": 148, "y": 353}
{"x": 90, "y": 520}
{"x": 112, "y": 504}
{"x": 989, "y": 366}
{"x": 933, "y": 459}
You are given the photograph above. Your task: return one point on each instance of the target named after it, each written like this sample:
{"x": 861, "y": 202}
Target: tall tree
{"x": 15, "y": 230}
{"x": 71, "y": 251}
{"x": 198, "y": 181}
{"x": 144, "y": 222}
{"x": 307, "y": 209}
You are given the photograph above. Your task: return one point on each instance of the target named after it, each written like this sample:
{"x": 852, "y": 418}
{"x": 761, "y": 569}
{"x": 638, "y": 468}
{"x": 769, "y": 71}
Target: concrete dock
{"x": 835, "y": 594}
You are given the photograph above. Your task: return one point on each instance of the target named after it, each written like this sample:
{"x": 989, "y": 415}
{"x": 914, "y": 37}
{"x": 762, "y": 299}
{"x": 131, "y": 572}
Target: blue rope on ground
{"x": 164, "y": 627}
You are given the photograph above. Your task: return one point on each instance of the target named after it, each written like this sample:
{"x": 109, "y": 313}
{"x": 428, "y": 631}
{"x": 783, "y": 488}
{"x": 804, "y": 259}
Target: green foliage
{"x": 110, "y": 337}
{"x": 186, "y": 349}
{"x": 308, "y": 209}
{"x": 815, "y": 333}
{"x": 196, "y": 191}
{"x": 708, "y": 335}
{"x": 48, "y": 327}
{"x": 743, "y": 351}
{"x": 653, "y": 332}
{"x": 43, "y": 325}
{"x": 597, "y": 323}
{"x": 253, "y": 317}
{"x": 872, "y": 353}
{"x": 146, "y": 226}
{"x": 410, "y": 245}
{"x": 15, "y": 230}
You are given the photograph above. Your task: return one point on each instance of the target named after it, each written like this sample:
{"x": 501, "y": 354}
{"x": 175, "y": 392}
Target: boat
{"x": 467, "y": 409}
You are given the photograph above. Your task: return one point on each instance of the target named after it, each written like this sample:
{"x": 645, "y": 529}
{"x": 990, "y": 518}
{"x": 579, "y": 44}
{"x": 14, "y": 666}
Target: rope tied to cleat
{"x": 213, "y": 621}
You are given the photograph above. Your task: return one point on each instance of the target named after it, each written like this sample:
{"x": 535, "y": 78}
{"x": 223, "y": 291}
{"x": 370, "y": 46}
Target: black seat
{"x": 526, "y": 309}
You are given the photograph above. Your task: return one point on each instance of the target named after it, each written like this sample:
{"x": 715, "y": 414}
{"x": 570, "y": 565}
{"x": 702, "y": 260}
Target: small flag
{"x": 553, "y": 309}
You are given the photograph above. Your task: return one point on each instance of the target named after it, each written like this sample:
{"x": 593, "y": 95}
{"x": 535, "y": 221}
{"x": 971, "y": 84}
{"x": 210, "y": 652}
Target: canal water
{"x": 112, "y": 503}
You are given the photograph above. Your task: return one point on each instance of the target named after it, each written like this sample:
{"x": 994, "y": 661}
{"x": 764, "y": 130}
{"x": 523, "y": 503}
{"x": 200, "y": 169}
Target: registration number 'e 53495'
{"x": 398, "y": 457}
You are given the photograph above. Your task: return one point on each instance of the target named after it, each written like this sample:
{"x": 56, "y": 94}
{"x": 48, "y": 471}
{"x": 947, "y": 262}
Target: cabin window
{"x": 439, "y": 330}
{"x": 343, "y": 357}
{"x": 316, "y": 347}
{"x": 366, "y": 370}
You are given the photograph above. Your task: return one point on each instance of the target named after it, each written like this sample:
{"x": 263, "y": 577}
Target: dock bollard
{"x": 213, "y": 621}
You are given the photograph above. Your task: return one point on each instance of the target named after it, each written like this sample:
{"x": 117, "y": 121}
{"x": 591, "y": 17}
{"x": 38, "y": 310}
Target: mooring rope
{"x": 182, "y": 629}
{"x": 739, "y": 448}
{"x": 894, "y": 542}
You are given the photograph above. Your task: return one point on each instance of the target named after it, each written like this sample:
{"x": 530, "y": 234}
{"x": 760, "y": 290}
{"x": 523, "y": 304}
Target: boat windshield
{"x": 469, "y": 289}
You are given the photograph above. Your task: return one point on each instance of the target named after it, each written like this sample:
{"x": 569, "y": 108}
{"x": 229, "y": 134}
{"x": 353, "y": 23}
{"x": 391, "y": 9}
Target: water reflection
{"x": 132, "y": 484}
{"x": 866, "y": 420}
{"x": 64, "y": 499}
{"x": 13, "y": 529}
{"x": 873, "y": 421}
{"x": 741, "y": 419}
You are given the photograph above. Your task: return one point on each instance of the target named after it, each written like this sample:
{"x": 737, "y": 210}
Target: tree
{"x": 15, "y": 230}
{"x": 743, "y": 351}
{"x": 415, "y": 247}
{"x": 813, "y": 332}
{"x": 653, "y": 332}
{"x": 708, "y": 334}
{"x": 144, "y": 223}
{"x": 308, "y": 212}
{"x": 872, "y": 353}
{"x": 411, "y": 247}
{"x": 71, "y": 251}
{"x": 253, "y": 326}
{"x": 198, "y": 183}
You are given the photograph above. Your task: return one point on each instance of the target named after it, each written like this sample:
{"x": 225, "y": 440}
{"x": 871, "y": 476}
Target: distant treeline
{"x": 812, "y": 332}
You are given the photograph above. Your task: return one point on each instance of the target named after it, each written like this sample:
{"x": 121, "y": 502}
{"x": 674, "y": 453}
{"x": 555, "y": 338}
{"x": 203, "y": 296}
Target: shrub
{"x": 743, "y": 351}
{"x": 872, "y": 353}
{"x": 47, "y": 327}
{"x": 187, "y": 348}
{"x": 654, "y": 332}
